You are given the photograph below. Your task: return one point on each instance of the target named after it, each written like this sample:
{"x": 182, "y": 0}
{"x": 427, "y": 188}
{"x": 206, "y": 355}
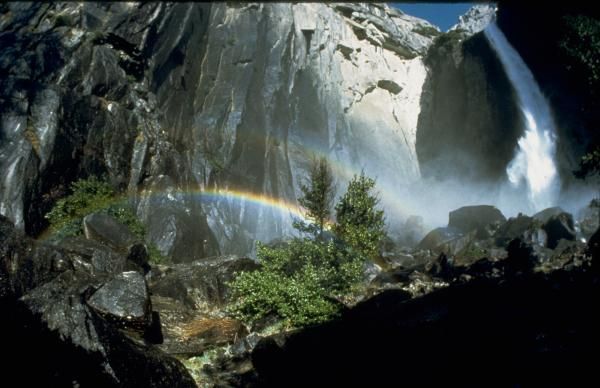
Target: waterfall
{"x": 534, "y": 164}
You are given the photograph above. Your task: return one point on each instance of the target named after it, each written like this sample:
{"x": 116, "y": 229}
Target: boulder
{"x": 172, "y": 311}
{"x": 524, "y": 227}
{"x": 441, "y": 268}
{"x": 559, "y": 226}
{"x": 124, "y": 299}
{"x": 202, "y": 283}
{"x": 544, "y": 215}
{"x": 469, "y": 218}
{"x": 106, "y": 230}
{"x": 459, "y": 244}
{"x": 101, "y": 258}
{"x": 514, "y": 227}
{"x": 521, "y": 258}
{"x": 399, "y": 260}
{"x": 437, "y": 237}
{"x": 44, "y": 290}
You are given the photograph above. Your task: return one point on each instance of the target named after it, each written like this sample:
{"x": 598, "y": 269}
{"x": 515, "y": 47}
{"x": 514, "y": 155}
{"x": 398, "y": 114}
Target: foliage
{"x": 89, "y": 196}
{"x": 589, "y": 165}
{"x": 427, "y": 31}
{"x": 581, "y": 42}
{"x": 156, "y": 256}
{"x": 302, "y": 281}
{"x": 317, "y": 197}
{"x": 297, "y": 283}
{"x": 359, "y": 223}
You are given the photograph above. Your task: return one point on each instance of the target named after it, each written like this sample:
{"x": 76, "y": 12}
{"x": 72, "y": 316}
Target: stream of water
{"x": 534, "y": 164}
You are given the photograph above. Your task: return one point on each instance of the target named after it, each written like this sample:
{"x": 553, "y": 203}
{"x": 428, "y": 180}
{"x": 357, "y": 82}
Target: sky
{"x": 443, "y": 15}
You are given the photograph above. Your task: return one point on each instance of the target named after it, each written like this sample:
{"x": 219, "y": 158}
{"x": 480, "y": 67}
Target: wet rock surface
{"x": 82, "y": 100}
{"x": 138, "y": 93}
{"x": 124, "y": 299}
{"x": 201, "y": 283}
{"x": 44, "y": 289}
{"x": 190, "y": 299}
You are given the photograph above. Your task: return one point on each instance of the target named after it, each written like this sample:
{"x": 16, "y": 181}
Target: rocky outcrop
{"x": 341, "y": 80}
{"x": 476, "y": 18}
{"x": 142, "y": 93}
{"x": 524, "y": 317}
{"x": 201, "y": 284}
{"x": 469, "y": 122}
{"x": 562, "y": 78}
{"x": 86, "y": 327}
{"x": 530, "y": 328}
{"x": 85, "y": 99}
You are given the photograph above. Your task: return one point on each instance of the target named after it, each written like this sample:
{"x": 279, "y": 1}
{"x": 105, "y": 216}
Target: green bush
{"x": 89, "y": 196}
{"x": 359, "y": 223}
{"x": 156, "y": 256}
{"x": 298, "y": 283}
{"x": 302, "y": 281}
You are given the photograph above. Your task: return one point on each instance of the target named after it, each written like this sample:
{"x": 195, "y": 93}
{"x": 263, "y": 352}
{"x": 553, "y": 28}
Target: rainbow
{"x": 388, "y": 194}
{"x": 279, "y": 205}
{"x": 259, "y": 199}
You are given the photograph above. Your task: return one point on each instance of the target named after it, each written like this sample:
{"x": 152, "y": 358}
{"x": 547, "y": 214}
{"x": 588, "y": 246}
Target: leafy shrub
{"x": 302, "y": 281}
{"x": 297, "y": 283}
{"x": 359, "y": 223}
{"x": 156, "y": 256}
{"x": 89, "y": 196}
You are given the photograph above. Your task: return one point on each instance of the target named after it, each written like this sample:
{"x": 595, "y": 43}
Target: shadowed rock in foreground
{"x": 76, "y": 321}
{"x": 526, "y": 330}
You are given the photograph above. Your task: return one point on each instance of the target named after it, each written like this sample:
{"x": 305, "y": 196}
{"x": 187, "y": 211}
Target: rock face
{"x": 476, "y": 18}
{"x": 564, "y": 82}
{"x": 341, "y": 80}
{"x": 466, "y": 94}
{"x": 83, "y": 100}
{"x": 72, "y": 317}
{"x": 169, "y": 100}
{"x": 201, "y": 284}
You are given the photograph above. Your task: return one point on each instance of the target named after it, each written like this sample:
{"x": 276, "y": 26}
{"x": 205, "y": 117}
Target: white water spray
{"x": 534, "y": 163}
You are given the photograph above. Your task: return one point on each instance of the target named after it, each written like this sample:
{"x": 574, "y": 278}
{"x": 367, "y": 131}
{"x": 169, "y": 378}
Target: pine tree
{"x": 359, "y": 223}
{"x": 317, "y": 197}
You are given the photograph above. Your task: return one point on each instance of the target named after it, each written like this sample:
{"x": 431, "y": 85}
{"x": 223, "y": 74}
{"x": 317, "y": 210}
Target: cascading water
{"x": 534, "y": 162}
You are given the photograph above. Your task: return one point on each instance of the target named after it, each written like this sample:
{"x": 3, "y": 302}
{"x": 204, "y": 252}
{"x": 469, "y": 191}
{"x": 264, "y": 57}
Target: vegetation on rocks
{"x": 89, "y": 196}
{"x": 427, "y": 31}
{"x": 303, "y": 282}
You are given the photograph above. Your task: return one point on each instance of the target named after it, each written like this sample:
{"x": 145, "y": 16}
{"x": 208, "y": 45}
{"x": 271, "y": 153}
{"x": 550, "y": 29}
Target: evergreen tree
{"x": 359, "y": 223}
{"x": 317, "y": 197}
